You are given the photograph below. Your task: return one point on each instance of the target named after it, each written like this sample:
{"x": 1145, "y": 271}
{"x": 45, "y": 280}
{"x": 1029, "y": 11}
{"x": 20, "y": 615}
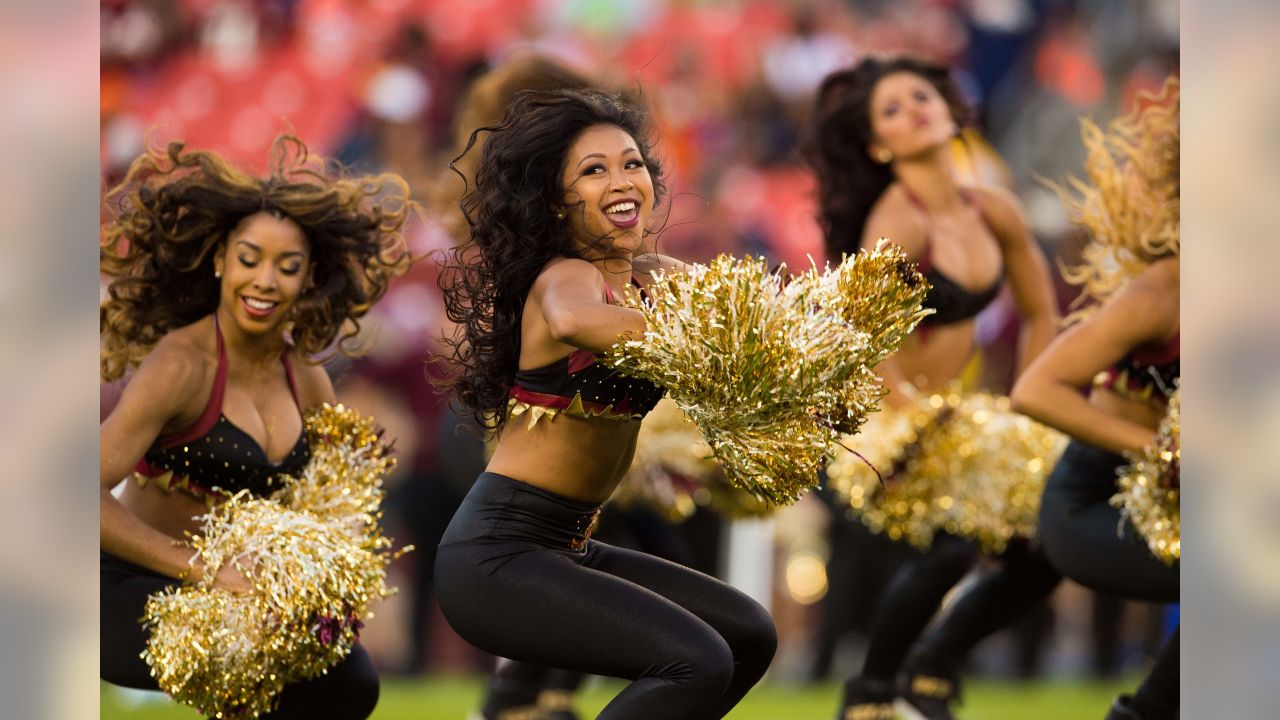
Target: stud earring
{"x": 559, "y": 214}
{"x": 884, "y": 156}
{"x": 217, "y": 273}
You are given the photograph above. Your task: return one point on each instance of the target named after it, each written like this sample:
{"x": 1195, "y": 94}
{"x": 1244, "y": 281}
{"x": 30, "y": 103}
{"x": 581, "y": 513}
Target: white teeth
{"x": 622, "y": 207}
{"x": 259, "y": 304}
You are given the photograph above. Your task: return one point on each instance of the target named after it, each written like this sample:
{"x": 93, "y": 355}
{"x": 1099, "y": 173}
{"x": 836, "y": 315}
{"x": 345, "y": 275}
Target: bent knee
{"x": 757, "y": 637}
{"x": 703, "y": 662}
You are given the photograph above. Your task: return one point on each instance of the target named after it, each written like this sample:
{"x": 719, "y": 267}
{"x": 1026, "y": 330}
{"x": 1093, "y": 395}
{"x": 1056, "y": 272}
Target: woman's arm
{"x": 570, "y": 294}
{"x": 1029, "y": 277}
{"x": 647, "y": 264}
{"x": 161, "y": 389}
{"x": 1049, "y": 390}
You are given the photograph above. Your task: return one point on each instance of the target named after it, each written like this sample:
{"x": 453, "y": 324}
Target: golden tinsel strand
{"x": 1150, "y": 491}
{"x": 316, "y": 559}
{"x": 770, "y": 373}
{"x": 961, "y": 463}
{"x": 675, "y": 472}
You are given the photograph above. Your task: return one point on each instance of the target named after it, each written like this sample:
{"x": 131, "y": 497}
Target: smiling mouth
{"x": 623, "y": 213}
{"x": 259, "y": 308}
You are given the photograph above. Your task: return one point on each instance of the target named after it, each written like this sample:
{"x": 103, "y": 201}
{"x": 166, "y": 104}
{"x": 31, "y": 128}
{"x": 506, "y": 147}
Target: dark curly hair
{"x": 514, "y": 233}
{"x": 176, "y": 206}
{"x": 835, "y": 144}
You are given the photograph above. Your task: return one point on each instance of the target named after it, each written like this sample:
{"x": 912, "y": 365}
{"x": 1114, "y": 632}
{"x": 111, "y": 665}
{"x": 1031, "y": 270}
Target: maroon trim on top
{"x": 1161, "y": 355}
{"x": 212, "y": 409}
{"x": 560, "y": 402}
{"x": 580, "y": 360}
{"x": 145, "y": 468}
{"x": 293, "y": 385}
{"x": 546, "y": 400}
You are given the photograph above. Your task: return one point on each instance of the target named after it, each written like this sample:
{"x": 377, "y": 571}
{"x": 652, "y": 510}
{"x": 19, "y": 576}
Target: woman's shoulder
{"x": 180, "y": 365}
{"x": 311, "y": 379}
{"x": 1148, "y": 305}
{"x": 1162, "y": 278}
{"x": 567, "y": 269}
{"x": 998, "y": 205}
{"x": 190, "y": 349}
{"x": 895, "y": 216}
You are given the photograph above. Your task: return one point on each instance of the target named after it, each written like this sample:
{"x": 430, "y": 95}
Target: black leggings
{"x": 349, "y": 691}
{"x": 1088, "y": 541}
{"x": 910, "y": 601}
{"x": 510, "y": 582}
{"x": 1024, "y": 580}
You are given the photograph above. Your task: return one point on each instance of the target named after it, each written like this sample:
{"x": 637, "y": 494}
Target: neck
{"x": 931, "y": 179}
{"x": 257, "y": 350}
{"x": 616, "y": 267}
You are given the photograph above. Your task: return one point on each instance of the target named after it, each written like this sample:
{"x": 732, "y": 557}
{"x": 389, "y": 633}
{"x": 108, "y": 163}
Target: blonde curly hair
{"x": 1131, "y": 204}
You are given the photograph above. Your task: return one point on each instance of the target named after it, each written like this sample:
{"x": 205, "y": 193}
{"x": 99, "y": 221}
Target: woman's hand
{"x": 231, "y": 579}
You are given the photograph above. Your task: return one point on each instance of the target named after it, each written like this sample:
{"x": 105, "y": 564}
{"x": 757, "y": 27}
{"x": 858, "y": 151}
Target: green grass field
{"x": 439, "y": 698}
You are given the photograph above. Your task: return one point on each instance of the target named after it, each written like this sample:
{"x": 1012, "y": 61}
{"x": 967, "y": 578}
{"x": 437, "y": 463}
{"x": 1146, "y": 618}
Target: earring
{"x": 217, "y": 273}
{"x": 559, "y": 214}
{"x": 884, "y": 156}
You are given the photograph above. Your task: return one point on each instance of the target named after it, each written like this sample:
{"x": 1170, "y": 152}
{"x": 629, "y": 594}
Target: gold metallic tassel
{"x": 316, "y": 558}
{"x": 1149, "y": 485}
{"x": 770, "y": 371}
{"x": 950, "y": 462}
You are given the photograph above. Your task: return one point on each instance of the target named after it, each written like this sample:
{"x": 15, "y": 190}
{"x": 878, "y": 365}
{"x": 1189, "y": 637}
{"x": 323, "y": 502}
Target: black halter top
{"x": 579, "y": 386}
{"x": 213, "y": 455}
{"x": 950, "y": 302}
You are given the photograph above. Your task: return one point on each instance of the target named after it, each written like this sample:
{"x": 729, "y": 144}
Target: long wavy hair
{"x": 176, "y": 206}
{"x": 1131, "y": 204}
{"x": 511, "y": 214}
{"x": 837, "y": 138}
{"x": 484, "y": 104}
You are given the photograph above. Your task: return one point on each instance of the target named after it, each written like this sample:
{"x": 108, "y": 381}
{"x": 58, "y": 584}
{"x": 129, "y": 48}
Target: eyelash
{"x": 291, "y": 270}
{"x": 919, "y": 95}
{"x": 630, "y": 165}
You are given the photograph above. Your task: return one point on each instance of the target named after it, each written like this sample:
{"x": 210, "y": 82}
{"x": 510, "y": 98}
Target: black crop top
{"x": 950, "y": 302}
{"x": 214, "y": 455}
{"x": 578, "y": 386}
{"x": 1145, "y": 374}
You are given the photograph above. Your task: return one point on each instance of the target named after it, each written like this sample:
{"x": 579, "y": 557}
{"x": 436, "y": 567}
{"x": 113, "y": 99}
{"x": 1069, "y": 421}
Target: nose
{"x": 621, "y": 183}
{"x": 265, "y": 279}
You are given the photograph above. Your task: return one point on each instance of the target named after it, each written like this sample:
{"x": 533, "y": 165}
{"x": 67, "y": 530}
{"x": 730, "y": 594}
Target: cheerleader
{"x": 223, "y": 288}
{"x": 1125, "y": 348}
{"x": 879, "y": 143}
{"x": 561, "y": 205}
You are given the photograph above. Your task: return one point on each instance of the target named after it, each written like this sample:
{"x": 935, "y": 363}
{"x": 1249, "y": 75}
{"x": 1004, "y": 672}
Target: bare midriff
{"x": 580, "y": 458}
{"x": 1145, "y": 413}
{"x": 171, "y": 512}
{"x": 931, "y": 359}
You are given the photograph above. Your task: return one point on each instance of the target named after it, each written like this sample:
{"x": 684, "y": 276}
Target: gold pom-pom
{"x": 670, "y": 461}
{"x": 675, "y": 472}
{"x": 950, "y": 462}
{"x": 1150, "y": 490}
{"x": 316, "y": 559}
{"x": 772, "y": 372}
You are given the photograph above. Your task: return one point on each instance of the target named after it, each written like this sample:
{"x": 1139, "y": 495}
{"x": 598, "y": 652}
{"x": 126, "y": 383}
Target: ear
{"x": 220, "y": 260}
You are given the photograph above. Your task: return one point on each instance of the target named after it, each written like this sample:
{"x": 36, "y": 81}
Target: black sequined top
{"x": 579, "y": 386}
{"x": 214, "y": 455}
